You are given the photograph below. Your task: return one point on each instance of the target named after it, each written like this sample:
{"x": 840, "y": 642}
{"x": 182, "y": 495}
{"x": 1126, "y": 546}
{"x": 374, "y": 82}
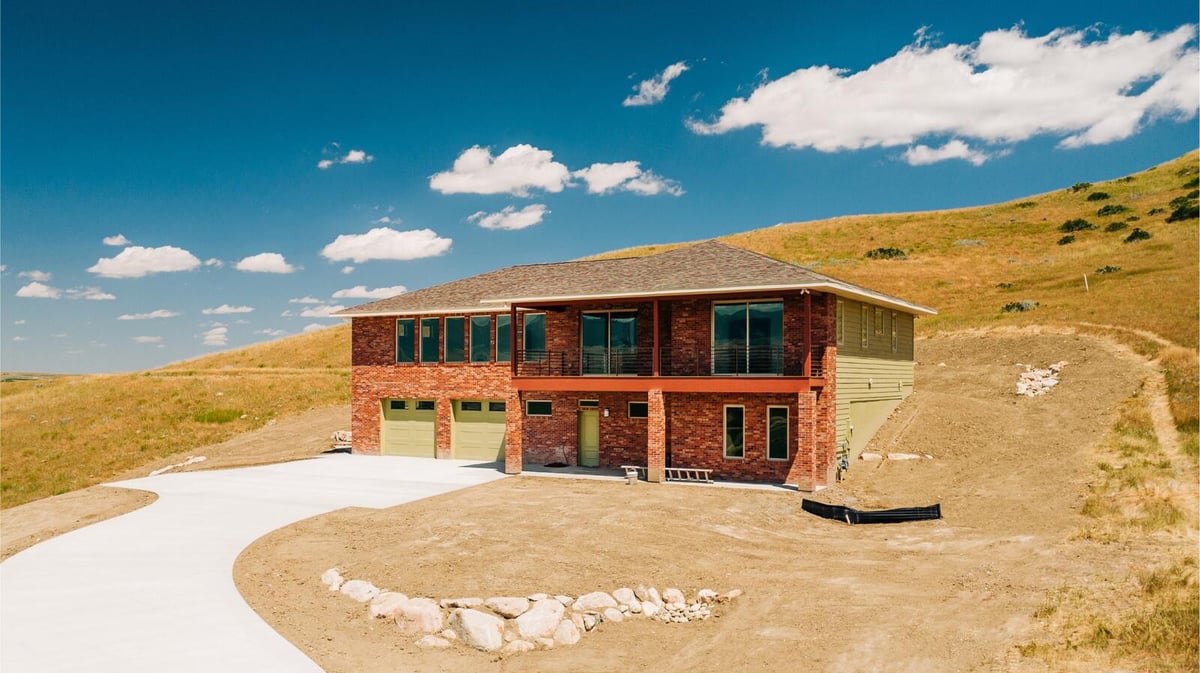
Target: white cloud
{"x": 921, "y": 155}
{"x": 313, "y": 327}
{"x": 118, "y": 241}
{"x": 214, "y": 262}
{"x": 18, "y": 322}
{"x": 626, "y": 176}
{"x": 517, "y": 170}
{"x": 271, "y": 332}
{"x": 385, "y": 220}
{"x": 136, "y": 262}
{"x": 322, "y": 311}
{"x": 351, "y": 157}
{"x": 89, "y": 293}
{"x": 39, "y": 276}
{"x": 217, "y": 336}
{"x": 225, "y": 309}
{"x": 386, "y": 243}
{"x": 361, "y": 292}
{"x": 347, "y": 270}
{"x": 305, "y": 300}
{"x": 36, "y": 290}
{"x": 1007, "y": 87}
{"x": 3, "y": 268}
{"x": 654, "y": 90}
{"x": 148, "y": 339}
{"x": 265, "y": 262}
{"x": 153, "y": 315}
{"x": 20, "y": 338}
{"x": 510, "y": 218}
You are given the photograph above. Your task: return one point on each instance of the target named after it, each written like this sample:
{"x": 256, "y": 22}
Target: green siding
{"x": 868, "y": 390}
{"x": 878, "y": 346}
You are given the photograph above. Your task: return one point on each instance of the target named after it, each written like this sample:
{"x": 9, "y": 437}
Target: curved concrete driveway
{"x": 153, "y": 590}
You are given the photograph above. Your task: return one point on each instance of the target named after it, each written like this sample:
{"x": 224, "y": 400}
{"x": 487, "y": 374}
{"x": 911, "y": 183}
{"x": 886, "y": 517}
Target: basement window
{"x": 537, "y": 408}
{"x": 639, "y": 409}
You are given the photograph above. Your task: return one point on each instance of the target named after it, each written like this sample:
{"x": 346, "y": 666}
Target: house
{"x": 705, "y": 356}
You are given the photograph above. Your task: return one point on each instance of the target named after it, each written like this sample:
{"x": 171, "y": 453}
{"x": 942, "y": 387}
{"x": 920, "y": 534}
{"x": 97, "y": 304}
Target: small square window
{"x": 397, "y": 405}
{"x": 425, "y": 405}
{"x": 639, "y": 409}
{"x": 537, "y": 408}
{"x": 589, "y": 404}
{"x": 878, "y": 321}
{"x": 497, "y": 406}
{"x": 471, "y": 406}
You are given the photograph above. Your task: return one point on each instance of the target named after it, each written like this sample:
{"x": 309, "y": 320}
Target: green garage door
{"x": 479, "y": 430}
{"x": 408, "y": 428}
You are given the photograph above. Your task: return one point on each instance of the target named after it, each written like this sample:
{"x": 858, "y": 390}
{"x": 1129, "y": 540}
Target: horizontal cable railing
{"x": 673, "y": 361}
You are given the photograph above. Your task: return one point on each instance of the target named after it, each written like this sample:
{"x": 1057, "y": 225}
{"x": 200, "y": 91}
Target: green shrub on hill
{"x": 886, "y": 253}
{"x": 1077, "y": 224}
{"x": 1097, "y": 196}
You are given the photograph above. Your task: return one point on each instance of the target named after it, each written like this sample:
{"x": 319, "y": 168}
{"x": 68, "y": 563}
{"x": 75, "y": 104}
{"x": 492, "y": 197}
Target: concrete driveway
{"x": 153, "y": 590}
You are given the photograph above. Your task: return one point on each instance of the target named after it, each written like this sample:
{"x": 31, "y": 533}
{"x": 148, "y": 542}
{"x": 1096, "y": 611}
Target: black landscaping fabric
{"x": 853, "y": 516}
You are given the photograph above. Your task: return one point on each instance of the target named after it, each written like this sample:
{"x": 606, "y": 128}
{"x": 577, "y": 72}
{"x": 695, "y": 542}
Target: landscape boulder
{"x": 507, "y": 606}
{"x": 433, "y": 641}
{"x": 332, "y": 579}
{"x": 478, "y": 629}
{"x": 624, "y": 596}
{"x": 597, "y": 600}
{"x": 384, "y": 605}
{"x": 360, "y": 590}
{"x": 461, "y": 602}
{"x": 418, "y": 615}
{"x": 518, "y": 646}
{"x": 566, "y": 633}
{"x": 672, "y": 596}
{"x": 541, "y": 620}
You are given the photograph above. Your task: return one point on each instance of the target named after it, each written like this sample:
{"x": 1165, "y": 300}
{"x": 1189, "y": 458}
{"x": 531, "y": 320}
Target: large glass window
{"x": 735, "y": 432}
{"x": 481, "y": 338}
{"x": 748, "y": 338}
{"x": 777, "y": 433}
{"x": 429, "y": 339}
{"x": 609, "y": 343}
{"x": 503, "y": 338}
{"x": 406, "y": 341}
{"x": 456, "y": 334}
{"x": 535, "y": 337}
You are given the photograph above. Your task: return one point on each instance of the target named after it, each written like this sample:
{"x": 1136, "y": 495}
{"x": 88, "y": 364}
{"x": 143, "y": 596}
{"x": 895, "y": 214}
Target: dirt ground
{"x": 293, "y": 438}
{"x": 956, "y": 594}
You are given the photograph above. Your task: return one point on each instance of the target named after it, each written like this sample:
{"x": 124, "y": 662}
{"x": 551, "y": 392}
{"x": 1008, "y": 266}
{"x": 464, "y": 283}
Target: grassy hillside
{"x": 65, "y": 433}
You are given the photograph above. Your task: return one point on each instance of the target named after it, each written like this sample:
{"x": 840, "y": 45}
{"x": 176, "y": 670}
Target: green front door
{"x": 589, "y": 437}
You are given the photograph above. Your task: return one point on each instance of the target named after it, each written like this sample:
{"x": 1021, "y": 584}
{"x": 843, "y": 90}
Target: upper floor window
{"x": 535, "y": 336}
{"x": 503, "y": 338}
{"x": 456, "y": 334}
{"x": 748, "y": 338}
{"x": 406, "y": 341}
{"x": 609, "y": 342}
{"x": 429, "y": 340}
{"x": 481, "y": 338}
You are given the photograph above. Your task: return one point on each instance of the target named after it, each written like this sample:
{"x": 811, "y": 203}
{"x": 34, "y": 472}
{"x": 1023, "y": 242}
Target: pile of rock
{"x": 1036, "y": 382}
{"x": 514, "y": 624}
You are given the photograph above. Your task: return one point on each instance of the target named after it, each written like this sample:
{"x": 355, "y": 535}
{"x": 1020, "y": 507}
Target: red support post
{"x": 654, "y": 355}
{"x": 512, "y": 339}
{"x": 807, "y": 334}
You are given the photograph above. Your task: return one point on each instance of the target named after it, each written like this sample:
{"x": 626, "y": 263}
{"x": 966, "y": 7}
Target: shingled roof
{"x": 709, "y": 267}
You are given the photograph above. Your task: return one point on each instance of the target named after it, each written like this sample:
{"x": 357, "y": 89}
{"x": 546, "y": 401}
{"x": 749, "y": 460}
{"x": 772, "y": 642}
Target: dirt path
{"x": 293, "y": 438}
{"x": 952, "y": 595}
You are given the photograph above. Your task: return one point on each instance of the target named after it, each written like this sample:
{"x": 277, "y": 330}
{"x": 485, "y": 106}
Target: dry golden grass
{"x": 65, "y": 433}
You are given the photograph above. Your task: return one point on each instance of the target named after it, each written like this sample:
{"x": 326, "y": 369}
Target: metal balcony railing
{"x": 673, "y": 361}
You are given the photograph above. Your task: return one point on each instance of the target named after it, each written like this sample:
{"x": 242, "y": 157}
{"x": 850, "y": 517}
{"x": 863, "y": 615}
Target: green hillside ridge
{"x": 66, "y": 433}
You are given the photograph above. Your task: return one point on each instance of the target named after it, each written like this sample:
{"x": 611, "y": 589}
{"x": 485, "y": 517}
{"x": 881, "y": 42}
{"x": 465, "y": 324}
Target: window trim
{"x": 415, "y": 345}
{"x": 550, "y": 402}
{"x": 725, "y": 431}
{"x": 841, "y": 322}
{"x": 437, "y": 358}
{"x": 470, "y": 347}
{"x": 787, "y": 431}
{"x": 629, "y": 410}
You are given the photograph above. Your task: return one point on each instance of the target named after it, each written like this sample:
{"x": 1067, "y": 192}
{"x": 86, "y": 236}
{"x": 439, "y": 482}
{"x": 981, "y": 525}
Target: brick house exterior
{"x": 706, "y": 356}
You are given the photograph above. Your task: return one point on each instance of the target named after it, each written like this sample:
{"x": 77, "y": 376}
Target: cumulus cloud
{"x": 313, "y": 327}
{"x": 89, "y": 293}
{"x": 347, "y": 270}
{"x": 117, "y": 241}
{"x": 217, "y": 336}
{"x": 270, "y": 332}
{"x": 136, "y": 262}
{"x": 626, "y": 176}
{"x": 351, "y": 157}
{"x": 652, "y": 91}
{"x": 517, "y": 170}
{"x": 386, "y": 243}
{"x": 305, "y": 300}
{"x": 225, "y": 309}
{"x": 265, "y": 262}
{"x": 20, "y": 338}
{"x": 153, "y": 315}
{"x": 322, "y": 311}
{"x": 148, "y": 339}
{"x": 36, "y": 290}
{"x": 39, "y": 276}
{"x": 1005, "y": 88}
{"x": 214, "y": 262}
{"x": 361, "y": 292}
{"x": 18, "y": 322}
{"x": 510, "y": 218}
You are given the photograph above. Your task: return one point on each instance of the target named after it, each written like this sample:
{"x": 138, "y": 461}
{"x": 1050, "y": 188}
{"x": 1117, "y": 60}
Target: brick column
{"x": 514, "y": 433}
{"x": 444, "y": 428}
{"x": 656, "y": 436}
{"x": 802, "y": 473}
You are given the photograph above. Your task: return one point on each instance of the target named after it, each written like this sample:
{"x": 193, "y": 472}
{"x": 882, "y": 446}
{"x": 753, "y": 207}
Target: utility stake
{"x": 1085, "y": 284}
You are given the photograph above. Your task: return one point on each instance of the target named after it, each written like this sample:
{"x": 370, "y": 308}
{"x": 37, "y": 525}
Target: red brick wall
{"x": 547, "y": 438}
{"x": 696, "y": 435}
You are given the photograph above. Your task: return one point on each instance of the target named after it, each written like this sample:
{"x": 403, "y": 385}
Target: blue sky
{"x": 179, "y": 178}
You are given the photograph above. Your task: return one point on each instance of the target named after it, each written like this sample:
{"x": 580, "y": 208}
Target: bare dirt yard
{"x": 959, "y": 594}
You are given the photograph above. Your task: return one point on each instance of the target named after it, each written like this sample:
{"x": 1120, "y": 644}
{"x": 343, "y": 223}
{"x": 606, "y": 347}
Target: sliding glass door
{"x": 748, "y": 338}
{"x": 609, "y": 343}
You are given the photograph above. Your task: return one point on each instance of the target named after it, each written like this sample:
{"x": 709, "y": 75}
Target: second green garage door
{"x": 479, "y": 430}
{"x": 409, "y": 428}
